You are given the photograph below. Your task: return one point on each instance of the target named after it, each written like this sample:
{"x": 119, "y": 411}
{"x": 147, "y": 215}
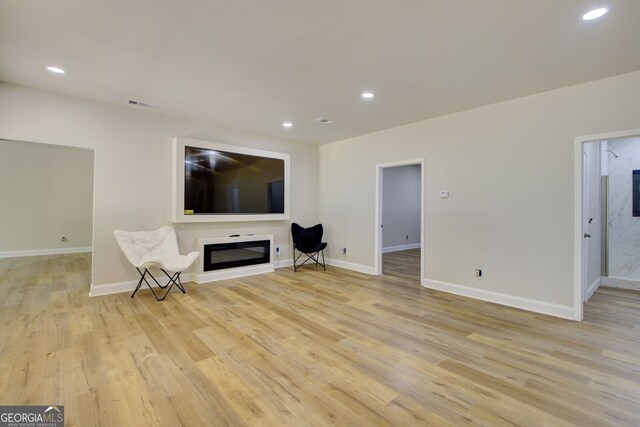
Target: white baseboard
{"x": 112, "y": 288}
{"x": 400, "y": 248}
{"x": 592, "y": 289}
{"x": 351, "y": 266}
{"x": 128, "y": 286}
{"x": 231, "y": 273}
{"x": 39, "y": 252}
{"x": 621, "y": 282}
{"x": 333, "y": 262}
{"x": 563, "y": 311}
{"x": 284, "y": 263}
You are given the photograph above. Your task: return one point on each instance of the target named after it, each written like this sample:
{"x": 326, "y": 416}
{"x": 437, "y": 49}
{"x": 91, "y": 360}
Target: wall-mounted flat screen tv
{"x": 222, "y": 182}
{"x": 216, "y": 182}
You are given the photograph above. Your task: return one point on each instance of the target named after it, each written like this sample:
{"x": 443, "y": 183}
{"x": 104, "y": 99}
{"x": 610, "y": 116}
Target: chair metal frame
{"x": 310, "y": 256}
{"x": 173, "y": 280}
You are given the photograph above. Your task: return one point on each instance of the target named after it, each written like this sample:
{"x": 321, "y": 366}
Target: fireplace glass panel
{"x": 229, "y": 255}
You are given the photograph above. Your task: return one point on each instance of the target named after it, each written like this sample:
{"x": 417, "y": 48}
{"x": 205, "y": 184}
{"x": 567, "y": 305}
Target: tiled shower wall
{"x": 623, "y": 227}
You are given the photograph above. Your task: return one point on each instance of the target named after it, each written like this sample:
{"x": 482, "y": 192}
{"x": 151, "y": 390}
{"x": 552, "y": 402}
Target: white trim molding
{"x": 177, "y": 191}
{"x": 592, "y": 289}
{"x": 283, "y": 263}
{"x": 40, "y": 252}
{"x": 366, "y": 269}
{"x": 578, "y": 297}
{"x": 621, "y": 282}
{"x": 378, "y": 250}
{"x": 203, "y": 276}
{"x": 334, "y": 263}
{"x": 128, "y": 286}
{"x": 557, "y": 310}
{"x": 232, "y": 273}
{"x": 112, "y": 288}
{"x": 401, "y": 248}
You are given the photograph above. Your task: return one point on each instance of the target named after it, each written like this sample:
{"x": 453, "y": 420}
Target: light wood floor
{"x": 310, "y": 348}
{"x": 402, "y": 264}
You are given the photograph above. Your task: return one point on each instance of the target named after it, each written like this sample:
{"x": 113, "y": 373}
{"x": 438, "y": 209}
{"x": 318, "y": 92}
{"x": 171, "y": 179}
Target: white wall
{"x": 509, "y": 168}
{"x": 592, "y": 150}
{"x": 46, "y": 193}
{"x": 133, "y": 168}
{"x": 400, "y": 206}
{"x": 624, "y": 232}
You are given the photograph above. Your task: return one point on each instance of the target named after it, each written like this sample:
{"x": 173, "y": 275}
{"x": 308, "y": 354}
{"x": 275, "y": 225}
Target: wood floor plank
{"x": 312, "y": 348}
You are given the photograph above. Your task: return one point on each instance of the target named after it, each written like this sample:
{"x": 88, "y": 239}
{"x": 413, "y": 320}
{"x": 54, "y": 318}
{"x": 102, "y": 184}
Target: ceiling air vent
{"x": 142, "y": 104}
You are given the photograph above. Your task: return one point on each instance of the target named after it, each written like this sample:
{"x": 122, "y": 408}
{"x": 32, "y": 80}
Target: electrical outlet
{"x": 278, "y": 250}
{"x": 344, "y": 251}
{"x": 64, "y": 239}
{"x": 478, "y": 273}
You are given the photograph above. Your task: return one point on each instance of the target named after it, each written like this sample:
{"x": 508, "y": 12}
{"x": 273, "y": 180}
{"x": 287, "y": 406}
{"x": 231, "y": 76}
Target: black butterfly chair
{"x": 308, "y": 241}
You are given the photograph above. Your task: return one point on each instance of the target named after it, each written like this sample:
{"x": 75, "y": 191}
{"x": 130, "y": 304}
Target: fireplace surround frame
{"x": 203, "y": 275}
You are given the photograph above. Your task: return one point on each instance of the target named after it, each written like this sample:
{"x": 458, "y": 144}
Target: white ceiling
{"x": 251, "y": 64}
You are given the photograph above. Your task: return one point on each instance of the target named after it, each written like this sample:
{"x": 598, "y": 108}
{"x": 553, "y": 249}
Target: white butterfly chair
{"x": 159, "y": 248}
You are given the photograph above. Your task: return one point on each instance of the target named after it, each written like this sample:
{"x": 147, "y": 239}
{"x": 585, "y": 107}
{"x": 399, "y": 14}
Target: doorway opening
{"x": 48, "y": 222}
{"x": 607, "y": 222}
{"x": 399, "y": 233}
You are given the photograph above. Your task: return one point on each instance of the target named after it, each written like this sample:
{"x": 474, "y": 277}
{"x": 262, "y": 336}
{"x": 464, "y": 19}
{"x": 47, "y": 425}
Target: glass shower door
{"x": 621, "y": 230}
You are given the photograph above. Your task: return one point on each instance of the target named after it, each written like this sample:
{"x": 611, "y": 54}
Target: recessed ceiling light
{"x": 368, "y": 95}
{"x": 287, "y": 124}
{"x": 594, "y": 14}
{"x": 56, "y": 70}
{"x": 323, "y": 120}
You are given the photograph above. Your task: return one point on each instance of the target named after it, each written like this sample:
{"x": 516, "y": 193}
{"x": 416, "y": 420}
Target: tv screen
{"x": 224, "y": 183}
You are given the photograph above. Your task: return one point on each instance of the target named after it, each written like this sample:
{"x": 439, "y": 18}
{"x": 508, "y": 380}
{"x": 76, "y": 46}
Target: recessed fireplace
{"x": 218, "y": 256}
{"x": 234, "y": 256}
